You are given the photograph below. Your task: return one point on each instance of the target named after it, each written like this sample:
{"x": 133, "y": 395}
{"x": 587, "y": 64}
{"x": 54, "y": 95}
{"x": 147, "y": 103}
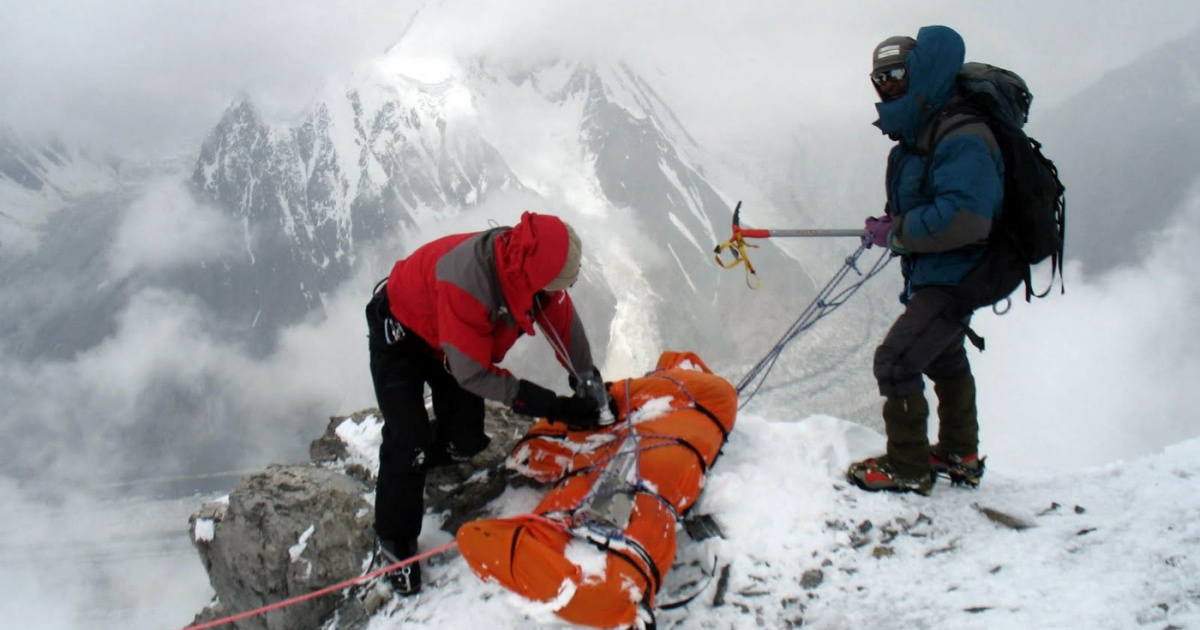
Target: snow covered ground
{"x": 1104, "y": 547}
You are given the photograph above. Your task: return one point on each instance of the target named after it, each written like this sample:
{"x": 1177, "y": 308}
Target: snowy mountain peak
{"x": 416, "y": 142}
{"x": 424, "y": 69}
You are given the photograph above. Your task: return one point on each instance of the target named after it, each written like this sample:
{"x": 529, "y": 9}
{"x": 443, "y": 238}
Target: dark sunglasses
{"x": 883, "y": 76}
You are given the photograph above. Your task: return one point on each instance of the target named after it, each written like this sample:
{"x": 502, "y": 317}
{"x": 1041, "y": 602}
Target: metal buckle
{"x": 393, "y": 331}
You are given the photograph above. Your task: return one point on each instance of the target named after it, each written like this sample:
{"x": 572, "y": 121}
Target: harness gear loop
{"x": 393, "y": 332}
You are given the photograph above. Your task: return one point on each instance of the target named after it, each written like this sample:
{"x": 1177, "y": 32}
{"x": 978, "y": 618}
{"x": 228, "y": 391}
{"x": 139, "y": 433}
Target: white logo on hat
{"x": 888, "y": 51}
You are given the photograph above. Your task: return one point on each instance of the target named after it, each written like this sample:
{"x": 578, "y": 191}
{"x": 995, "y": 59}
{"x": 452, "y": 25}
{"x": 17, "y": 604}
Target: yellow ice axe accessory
{"x": 737, "y": 248}
{"x": 737, "y": 243}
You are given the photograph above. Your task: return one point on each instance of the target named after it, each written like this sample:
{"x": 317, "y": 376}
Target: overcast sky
{"x": 154, "y": 75}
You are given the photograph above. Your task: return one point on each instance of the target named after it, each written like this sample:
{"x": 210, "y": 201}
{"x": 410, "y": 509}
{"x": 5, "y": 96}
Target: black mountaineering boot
{"x": 905, "y": 467}
{"x": 405, "y": 580}
{"x": 956, "y": 455}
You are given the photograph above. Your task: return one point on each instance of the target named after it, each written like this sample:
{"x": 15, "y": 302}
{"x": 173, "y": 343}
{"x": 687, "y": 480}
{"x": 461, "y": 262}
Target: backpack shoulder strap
{"x": 955, "y": 119}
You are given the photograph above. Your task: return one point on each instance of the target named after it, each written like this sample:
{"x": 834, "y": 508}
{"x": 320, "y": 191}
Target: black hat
{"x": 892, "y": 52}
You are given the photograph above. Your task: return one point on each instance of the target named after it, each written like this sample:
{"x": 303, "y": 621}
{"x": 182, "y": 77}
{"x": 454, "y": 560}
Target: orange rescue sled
{"x": 596, "y": 547}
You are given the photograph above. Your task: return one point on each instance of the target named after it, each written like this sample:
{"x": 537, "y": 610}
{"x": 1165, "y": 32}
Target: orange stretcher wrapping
{"x": 596, "y": 548}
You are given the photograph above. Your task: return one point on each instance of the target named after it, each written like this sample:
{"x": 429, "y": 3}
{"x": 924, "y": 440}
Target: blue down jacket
{"x": 943, "y": 204}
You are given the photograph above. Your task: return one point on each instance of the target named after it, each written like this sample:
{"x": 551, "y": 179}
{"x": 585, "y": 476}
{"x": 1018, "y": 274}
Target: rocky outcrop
{"x": 294, "y": 529}
{"x": 286, "y": 531}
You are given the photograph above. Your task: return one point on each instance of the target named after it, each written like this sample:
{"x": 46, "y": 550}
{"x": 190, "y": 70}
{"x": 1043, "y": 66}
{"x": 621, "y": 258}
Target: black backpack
{"x": 1032, "y": 224}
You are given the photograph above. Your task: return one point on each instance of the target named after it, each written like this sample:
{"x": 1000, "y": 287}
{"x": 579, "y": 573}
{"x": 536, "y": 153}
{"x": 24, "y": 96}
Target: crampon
{"x": 961, "y": 471}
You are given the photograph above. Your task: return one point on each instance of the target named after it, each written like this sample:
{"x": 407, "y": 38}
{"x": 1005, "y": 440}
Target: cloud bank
{"x": 151, "y": 76}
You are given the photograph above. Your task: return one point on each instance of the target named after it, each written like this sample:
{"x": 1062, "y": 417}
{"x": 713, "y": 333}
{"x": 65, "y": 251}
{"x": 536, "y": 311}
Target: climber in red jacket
{"x": 445, "y": 316}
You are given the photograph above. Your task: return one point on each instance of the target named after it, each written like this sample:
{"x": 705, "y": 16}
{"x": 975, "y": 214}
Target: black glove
{"x": 534, "y": 400}
{"x": 578, "y": 413}
{"x": 591, "y": 385}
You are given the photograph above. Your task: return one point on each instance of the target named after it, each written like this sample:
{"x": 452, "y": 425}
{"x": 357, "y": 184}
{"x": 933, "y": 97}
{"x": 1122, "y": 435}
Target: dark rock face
{"x": 461, "y": 492}
{"x": 464, "y": 491}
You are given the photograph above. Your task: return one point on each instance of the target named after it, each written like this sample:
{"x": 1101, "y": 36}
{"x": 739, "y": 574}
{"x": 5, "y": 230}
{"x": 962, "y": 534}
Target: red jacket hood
{"x": 528, "y": 257}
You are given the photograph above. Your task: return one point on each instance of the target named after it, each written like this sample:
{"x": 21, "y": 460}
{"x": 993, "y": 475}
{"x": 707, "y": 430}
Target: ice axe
{"x": 737, "y": 243}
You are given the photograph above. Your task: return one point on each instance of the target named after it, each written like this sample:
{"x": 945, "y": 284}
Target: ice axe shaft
{"x": 737, "y": 243}
{"x": 761, "y": 233}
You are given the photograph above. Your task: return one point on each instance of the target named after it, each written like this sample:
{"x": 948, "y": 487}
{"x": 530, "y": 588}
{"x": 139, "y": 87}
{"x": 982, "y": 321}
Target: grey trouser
{"x": 927, "y": 339}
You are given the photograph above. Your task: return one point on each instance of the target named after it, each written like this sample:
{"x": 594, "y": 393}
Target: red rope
{"x": 325, "y": 591}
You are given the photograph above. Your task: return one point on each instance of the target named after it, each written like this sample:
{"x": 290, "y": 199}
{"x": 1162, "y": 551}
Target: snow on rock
{"x": 202, "y": 530}
{"x": 272, "y": 518}
{"x": 297, "y": 550}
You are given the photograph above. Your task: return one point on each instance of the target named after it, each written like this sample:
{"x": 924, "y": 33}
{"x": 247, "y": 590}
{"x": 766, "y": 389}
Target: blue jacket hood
{"x": 933, "y": 67}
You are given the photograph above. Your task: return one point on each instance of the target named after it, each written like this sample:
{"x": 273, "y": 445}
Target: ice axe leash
{"x": 737, "y": 243}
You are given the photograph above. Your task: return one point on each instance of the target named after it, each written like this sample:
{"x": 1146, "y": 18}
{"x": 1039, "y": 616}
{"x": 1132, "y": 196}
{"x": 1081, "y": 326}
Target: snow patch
{"x": 362, "y": 440}
{"x": 205, "y": 529}
{"x": 296, "y": 550}
{"x": 592, "y": 562}
{"x": 425, "y": 69}
{"x": 543, "y": 612}
{"x": 651, "y": 409}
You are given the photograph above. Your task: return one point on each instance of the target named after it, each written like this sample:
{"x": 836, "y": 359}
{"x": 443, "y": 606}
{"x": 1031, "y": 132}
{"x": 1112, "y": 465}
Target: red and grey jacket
{"x": 470, "y": 296}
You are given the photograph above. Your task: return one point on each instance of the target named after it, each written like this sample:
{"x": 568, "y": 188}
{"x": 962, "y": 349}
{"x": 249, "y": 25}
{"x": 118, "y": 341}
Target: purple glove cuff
{"x": 877, "y": 229}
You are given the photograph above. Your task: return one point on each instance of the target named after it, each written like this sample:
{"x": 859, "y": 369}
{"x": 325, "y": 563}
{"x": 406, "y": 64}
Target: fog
{"x": 169, "y": 396}
{"x": 154, "y": 76}
{"x": 1102, "y": 373}
{"x": 165, "y": 228}
{"x": 148, "y": 76}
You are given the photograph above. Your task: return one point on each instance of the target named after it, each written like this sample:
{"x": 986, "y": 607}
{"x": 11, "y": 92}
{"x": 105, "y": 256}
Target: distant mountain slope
{"x": 1118, "y": 145}
{"x": 38, "y": 177}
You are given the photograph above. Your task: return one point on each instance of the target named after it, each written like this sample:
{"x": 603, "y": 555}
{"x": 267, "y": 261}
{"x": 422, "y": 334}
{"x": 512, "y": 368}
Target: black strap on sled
{"x": 680, "y": 603}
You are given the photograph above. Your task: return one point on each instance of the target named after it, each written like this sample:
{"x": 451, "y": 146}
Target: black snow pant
{"x": 926, "y": 340}
{"x": 401, "y": 365}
